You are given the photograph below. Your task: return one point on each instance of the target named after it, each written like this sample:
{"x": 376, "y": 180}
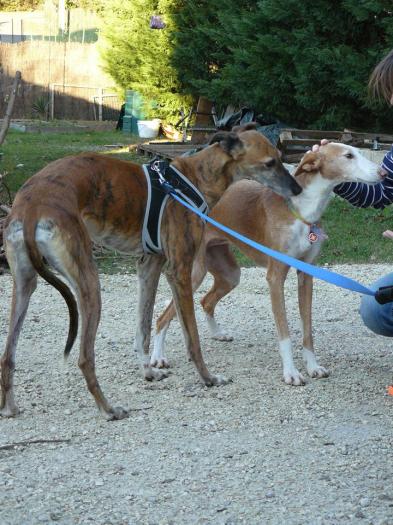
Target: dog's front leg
{"x": 158, "y": 358}
{"x": 276, "y": 276}
{"x": 305, "y": 285}
{"x": 179, "y": 279}
{"x": 149, "y": 270}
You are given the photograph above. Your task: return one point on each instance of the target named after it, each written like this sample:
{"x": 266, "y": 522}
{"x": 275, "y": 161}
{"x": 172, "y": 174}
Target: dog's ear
{"x": 245, "y": 127}
{"x": 229, "y": 142}
{"x": 310, "y": 162}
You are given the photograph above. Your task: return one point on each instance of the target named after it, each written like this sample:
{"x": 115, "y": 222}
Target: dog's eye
{"x": 270, "y": 163}
{"x": 350, "y": 155}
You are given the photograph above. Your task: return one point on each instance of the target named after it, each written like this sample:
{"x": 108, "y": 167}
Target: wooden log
{"x": 3, "y": 260}
{"x": 10, "y": 107}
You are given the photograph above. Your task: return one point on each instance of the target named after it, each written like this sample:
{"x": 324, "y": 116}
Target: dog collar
{"x": 297, "y": 215}
{"x": 315, "y": 233}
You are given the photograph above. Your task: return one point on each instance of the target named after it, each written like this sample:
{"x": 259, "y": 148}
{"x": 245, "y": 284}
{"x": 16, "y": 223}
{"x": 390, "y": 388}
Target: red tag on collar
{"x": 312, "y": 237}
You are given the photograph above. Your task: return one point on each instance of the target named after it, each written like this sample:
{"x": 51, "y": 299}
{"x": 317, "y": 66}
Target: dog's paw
{"x": 116, "y": 413}
{"x": 9, "y": 411}
{"x": 154, "y": 374}
{"x": 317, "y": 372}
{"x": 217, "y": 380}
{"x": 294, "y": 377}
{"x": 216, "y": 332}
{"x": 312, "y": 366}
{"x": 161, "y": 362}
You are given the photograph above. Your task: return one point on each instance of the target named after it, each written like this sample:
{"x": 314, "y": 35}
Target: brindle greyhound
{"x": 74, "y": 200}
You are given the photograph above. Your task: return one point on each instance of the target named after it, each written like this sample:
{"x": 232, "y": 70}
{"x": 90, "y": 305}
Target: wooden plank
{"x": 293, "y": 143}
{"x": 165, "y": 150}
{"x": 298, "y": 142}
{"x": 292, "y": 158}
{"x": 286, "y": 135}
{"x": 314, "y": 133}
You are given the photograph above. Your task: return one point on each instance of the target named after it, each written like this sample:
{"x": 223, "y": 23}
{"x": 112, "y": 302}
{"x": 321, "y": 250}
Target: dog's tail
{"x": 29, "y": 227}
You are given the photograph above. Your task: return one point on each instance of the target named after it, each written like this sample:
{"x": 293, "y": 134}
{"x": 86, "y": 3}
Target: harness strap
{"x": 160, "y": 174}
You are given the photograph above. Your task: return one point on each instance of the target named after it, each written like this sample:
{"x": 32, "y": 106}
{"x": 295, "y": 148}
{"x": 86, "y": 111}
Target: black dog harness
{"x": 160, "y": 176}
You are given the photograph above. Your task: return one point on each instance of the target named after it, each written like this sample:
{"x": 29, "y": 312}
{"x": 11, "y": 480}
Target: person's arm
{"x": 365, "y": 195}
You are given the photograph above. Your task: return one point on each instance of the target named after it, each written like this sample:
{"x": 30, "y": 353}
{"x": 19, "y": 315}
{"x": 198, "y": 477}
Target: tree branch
{"x": 32, "y": 442}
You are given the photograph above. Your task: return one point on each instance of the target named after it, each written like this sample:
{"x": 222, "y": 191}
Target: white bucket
{"x": 148, "y": 129}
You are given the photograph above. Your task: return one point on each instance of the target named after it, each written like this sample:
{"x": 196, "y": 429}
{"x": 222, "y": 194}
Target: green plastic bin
{"x": 133, "y": 111}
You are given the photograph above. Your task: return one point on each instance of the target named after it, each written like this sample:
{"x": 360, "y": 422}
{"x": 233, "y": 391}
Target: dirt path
{"x": 253, "y": 452}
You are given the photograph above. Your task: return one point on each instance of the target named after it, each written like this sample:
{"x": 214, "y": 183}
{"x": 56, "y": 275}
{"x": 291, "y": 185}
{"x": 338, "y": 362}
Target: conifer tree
{"x": 305, "y": 62}
{"x": 139, "y": 58}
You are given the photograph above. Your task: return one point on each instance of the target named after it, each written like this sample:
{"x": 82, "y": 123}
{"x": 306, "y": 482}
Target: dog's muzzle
{"x": 294, "y": 186}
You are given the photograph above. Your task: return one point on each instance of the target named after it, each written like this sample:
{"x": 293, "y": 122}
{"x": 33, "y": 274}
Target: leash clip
{"x": 157, "y": 166}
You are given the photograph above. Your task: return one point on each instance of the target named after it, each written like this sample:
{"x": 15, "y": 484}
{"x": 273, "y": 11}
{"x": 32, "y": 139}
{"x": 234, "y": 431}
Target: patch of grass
{"x": 355, "y": 234}
{"x": 112, "y": 263}
{"x": 26, "y": 153}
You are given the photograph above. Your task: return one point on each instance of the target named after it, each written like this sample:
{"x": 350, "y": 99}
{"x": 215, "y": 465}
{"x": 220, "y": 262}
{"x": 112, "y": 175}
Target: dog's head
{"x": 338, "y": 163}
{"x": 251, "y": 156}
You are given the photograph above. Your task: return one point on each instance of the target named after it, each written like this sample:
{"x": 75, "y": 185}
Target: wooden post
{"x": 203, "y": 121}
{"x": 10, "y": 107}
{"x": 52, "y": 101}
{"x": 100, "y": 103}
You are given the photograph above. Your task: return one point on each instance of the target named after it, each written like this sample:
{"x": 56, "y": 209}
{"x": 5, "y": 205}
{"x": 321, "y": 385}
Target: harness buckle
{"x": 160, "y": 166}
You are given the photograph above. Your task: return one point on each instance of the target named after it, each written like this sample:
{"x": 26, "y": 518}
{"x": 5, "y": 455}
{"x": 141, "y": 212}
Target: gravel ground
{"x": 255, "y": 451}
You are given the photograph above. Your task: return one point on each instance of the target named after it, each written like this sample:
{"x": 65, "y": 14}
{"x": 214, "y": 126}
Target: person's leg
{"x": 378, "y": 317}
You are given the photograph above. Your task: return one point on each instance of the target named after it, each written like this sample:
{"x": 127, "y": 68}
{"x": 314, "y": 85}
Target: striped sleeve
{"x": 370, "y": 195}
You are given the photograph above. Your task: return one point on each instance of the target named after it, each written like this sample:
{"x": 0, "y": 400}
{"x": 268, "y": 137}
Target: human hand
{"x": 323, "y": 143}
{"x": 388, "y": 234}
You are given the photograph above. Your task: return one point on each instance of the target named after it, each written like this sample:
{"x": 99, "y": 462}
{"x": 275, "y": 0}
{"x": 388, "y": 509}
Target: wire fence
{"x": 79, "y": 25}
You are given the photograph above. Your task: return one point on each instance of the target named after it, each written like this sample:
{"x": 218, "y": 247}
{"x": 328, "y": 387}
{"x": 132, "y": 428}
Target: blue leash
{"x": 382, "y": 295}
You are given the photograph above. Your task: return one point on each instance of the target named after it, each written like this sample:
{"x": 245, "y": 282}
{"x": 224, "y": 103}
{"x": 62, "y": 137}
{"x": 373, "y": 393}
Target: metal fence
{"x": 83, "y": 102}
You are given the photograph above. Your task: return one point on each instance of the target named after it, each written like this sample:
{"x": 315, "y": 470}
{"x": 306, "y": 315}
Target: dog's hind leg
{"x": 305, "y": 285}
{"x": 89, "y": 300}
{"x": 149, "y": 270}
{"x": 276, "y": 275}
{"x": 25, "y": 281}
{"x": 222, "y": 264}
{"x": 68, "y": 249}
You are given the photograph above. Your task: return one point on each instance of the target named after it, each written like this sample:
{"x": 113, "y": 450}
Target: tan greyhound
{"x": 286, "y": 225}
